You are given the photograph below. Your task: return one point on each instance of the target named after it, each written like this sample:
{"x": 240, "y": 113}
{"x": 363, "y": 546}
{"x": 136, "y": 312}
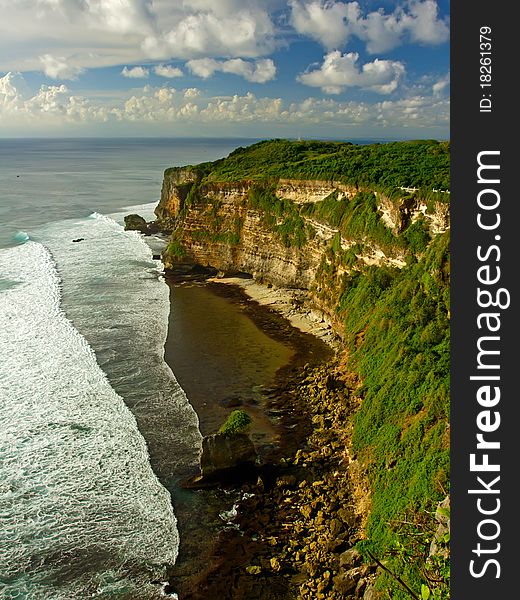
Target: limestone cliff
{"x": 277, "y": 231}
{"x": 365, "y": 231}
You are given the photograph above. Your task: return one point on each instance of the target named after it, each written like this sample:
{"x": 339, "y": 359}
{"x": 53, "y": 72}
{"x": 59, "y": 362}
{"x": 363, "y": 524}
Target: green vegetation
{"x": 355, "y": 218}
{"x": 416, "y": 236}
{"x": 175, "y": 248}
{"x": 396, "y": 322}
{"x": 397, "y": 331}
{"x": 279, "y": 215}
{"x": 237, "y": 422}
{"x": 385, "y": 167}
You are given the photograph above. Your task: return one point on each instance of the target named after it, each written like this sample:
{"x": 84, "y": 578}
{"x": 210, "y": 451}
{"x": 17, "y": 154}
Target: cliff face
{"x": 175, "y": 188}
{"x": 284, "y": 240}
{"x": 373, "y": 256}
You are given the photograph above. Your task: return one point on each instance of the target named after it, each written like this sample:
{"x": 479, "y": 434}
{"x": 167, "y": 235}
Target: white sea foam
{"x": 82, "y": 510}
{"x": 144, "y": 210}
{"x": 115, "y": 296}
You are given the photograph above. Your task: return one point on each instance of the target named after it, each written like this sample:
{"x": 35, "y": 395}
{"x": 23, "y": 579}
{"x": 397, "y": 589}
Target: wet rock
{"x": 335, "y": 526}
{"x": 187, "y": 271}
{"x": 333, "y": 384}
{"x": 222, "y": 453}
{"x": 231, "y": 402}
{"x": 136, "y": 223}
{"x": 153, "y": 228}
{"x": 346, "y": 516}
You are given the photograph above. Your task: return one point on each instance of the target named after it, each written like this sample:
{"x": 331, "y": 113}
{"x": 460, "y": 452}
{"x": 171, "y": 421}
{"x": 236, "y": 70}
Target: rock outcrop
{"x": 137, "y": 223}
{"x": 216, "y": 226}
{"x": 225, "y": 457}
{"x": 369, "y": 256}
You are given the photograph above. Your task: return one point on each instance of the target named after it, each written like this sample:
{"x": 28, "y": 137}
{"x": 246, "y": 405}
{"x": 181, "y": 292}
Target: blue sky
{"x": 251, "y": 68}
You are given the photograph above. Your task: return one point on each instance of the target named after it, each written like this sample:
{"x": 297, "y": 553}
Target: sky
{"x": 364, "y": 69}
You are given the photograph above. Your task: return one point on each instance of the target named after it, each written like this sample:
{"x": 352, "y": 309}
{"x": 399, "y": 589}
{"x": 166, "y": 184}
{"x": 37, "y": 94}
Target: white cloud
{"x": 52, "y": 106}
{"x": 168, "y": 71}
{"x": 99, "y": 33}
{"x": 135, "y": 72}
{"x": 246, "y": 32}
{"x": 333, "y": 23}
{"x": 191, "y": 93}
{"x": 340, "y": 71}
{"x": 259, "y": 71}
{"x": 203, "y": 67}
{"x": 13, "y": 91}
{"x": 117, "y": 16}
{"x": 322, "y": 21}
{"x": 441, "y": 85}
{"x": 56, "y": 67}
{"x": 243, "y": 109}
{"x": 424, "y": 25}
{"x": 423, "y": 111}
{"x": 64, "y": 37}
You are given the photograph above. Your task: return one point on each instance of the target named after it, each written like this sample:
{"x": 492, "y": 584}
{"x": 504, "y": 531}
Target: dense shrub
{"x": 237, "y": 422}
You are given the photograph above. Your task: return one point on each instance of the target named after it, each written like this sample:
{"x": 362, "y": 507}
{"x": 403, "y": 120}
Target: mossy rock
{"x": 136, "y": 223}
{"x": 237, "y": 422}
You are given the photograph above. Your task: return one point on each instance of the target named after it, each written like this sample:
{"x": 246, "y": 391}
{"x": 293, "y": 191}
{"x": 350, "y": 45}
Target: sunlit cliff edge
{"x": 365, "y": 231}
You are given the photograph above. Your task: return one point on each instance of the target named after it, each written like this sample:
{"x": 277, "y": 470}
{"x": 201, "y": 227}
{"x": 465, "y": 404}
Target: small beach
{"x": 238, "y": 351}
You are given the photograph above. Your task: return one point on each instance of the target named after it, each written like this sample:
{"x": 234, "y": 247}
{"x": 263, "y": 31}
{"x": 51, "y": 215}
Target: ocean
{"x": 83, "y": 381}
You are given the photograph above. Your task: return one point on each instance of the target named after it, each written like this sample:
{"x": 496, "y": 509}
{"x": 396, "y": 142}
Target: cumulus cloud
{"x": 259, "y": 71}
{"x": 135, "y": 72}
{"x": 117, "y": 16}
{"x": 57, "y": 67}
{"x": 64, "y": 37}
{"x": 246, "y": 32}
{"x": 168, "y": 71}
{"x": 104, "y": 33}
{"x": 191, "y": 92}
{"x": 322, "y": 21}
{"x": 441, "y": 85}
{"x": 52, "y": 105}
{"x": 333, "y": 23}
{"x": 13, "y": 91}
{"x": 340, "y": 71}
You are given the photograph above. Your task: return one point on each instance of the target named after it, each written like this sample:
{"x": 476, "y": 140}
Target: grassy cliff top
{"x": 387, "y": 166}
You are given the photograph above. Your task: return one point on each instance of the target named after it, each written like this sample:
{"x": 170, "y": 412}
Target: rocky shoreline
{"x": 292, "y": 531}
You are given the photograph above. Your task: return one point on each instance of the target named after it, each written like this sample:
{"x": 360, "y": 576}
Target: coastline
{"x": 363, "y": 447}
{"x": 289, "y": 303}
{"x": 272, "y": 547}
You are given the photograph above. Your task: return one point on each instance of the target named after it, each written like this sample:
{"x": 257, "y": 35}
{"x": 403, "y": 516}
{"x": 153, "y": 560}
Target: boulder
{"x": 350, "y": 558}
{"x": 224, "y": 454}
{"x": 344, "y": 583}
{"x": 136, "y": 223}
